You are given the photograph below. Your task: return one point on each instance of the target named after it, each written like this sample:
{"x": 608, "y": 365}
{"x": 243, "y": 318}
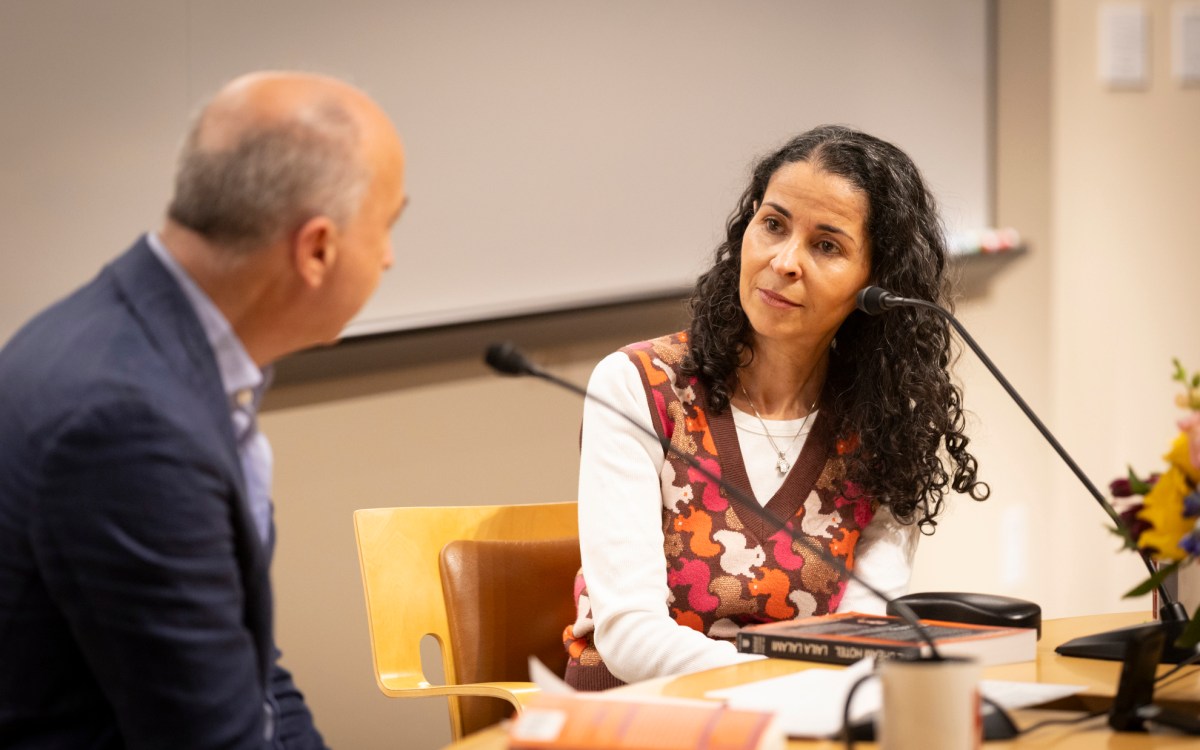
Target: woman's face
{"x": 805, "y": 255}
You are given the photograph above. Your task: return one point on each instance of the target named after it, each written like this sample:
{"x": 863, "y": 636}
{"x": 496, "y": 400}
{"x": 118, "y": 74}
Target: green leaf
{"x": 1153, "y": 582}
{"x": 1191, "y": 634}
{"x": 1137, "y": 486}
{"x": 1180, "y": 373}
{"x": 1196, "y": 380}
{"x": 1126, "y": 539}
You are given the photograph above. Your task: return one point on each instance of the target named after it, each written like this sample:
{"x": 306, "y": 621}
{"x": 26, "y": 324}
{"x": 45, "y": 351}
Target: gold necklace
{"x": 783, "y": 466}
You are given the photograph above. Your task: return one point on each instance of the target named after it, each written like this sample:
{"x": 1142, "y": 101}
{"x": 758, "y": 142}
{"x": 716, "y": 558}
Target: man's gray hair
{"x": 271, "y": 180}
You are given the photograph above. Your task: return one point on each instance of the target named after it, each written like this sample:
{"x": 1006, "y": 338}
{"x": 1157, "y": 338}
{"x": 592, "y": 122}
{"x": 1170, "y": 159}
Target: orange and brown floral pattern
{"x": 727, "y": 566}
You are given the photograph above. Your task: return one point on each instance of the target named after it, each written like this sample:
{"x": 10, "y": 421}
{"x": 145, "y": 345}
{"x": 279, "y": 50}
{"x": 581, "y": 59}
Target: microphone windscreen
{"x": 504, "y": 357}
{"x": 872, "y": 300}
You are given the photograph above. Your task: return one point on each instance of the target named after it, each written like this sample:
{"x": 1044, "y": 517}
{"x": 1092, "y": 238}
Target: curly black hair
{"x": 888, "y": 383}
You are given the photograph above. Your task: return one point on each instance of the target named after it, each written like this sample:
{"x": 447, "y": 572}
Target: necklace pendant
{"x": 782, "y": 465}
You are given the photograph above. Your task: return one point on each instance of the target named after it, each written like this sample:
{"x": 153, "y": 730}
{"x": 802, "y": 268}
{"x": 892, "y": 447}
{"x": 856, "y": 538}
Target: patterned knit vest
{"x": 727, "y": 566}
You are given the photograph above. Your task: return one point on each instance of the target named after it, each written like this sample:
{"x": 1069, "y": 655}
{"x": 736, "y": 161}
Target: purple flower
{"x": 1120, "y": 488}
{"x": 1191, "y": 543}
{"x": 1191, "y": 505}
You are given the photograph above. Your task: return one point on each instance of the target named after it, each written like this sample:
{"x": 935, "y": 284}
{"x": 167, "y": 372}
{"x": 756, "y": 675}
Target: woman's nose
{"x": 787, "y": 261}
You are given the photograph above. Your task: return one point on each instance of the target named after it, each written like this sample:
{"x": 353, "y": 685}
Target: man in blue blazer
{"x": 135, "y": 515}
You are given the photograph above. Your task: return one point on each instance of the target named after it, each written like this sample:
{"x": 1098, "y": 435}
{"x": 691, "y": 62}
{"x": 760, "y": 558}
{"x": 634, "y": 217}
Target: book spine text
{"x": 825, "y": 651}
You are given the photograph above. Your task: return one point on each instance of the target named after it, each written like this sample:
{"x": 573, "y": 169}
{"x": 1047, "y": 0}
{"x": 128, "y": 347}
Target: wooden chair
{"x": 506, "y": 601}
{"x": 400, "y": 553}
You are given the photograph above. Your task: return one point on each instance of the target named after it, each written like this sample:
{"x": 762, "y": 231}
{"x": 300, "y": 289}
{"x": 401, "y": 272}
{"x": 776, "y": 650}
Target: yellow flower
{"x": 1163, "y": 510}
{"x": 1180, "y": 456}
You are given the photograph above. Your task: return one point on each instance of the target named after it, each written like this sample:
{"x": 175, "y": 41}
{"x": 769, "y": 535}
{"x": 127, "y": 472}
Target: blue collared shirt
{"x": 243, "y": 382}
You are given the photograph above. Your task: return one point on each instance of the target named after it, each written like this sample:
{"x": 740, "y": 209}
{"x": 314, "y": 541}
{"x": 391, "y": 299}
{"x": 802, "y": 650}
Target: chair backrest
{"x": 506, "y": 601}
{"x": 399, "y": 551}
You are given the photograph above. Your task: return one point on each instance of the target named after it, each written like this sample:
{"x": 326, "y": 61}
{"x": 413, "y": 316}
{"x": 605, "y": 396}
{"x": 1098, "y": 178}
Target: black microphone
{"x": 874, "y": 300}
{"x": 507, "y": 359}
{"x": 504, "y": 357}
{"x": 1172, "y": 615}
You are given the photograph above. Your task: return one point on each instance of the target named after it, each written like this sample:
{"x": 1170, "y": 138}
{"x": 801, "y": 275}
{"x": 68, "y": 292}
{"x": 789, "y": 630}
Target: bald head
{"x": 273, "y": 150}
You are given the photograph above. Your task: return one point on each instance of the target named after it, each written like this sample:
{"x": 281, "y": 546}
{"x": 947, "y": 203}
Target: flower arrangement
{"x": 1161, "y": 512}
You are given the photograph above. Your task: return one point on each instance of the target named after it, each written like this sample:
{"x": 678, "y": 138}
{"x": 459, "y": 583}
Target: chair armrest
{"x": 410, "y": 685}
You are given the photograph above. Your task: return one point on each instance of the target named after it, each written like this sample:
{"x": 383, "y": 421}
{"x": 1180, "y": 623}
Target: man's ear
{"x": 314, "y": 250}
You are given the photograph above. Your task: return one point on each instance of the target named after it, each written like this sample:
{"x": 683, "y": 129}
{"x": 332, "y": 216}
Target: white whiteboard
{"x": 561, "y": 153}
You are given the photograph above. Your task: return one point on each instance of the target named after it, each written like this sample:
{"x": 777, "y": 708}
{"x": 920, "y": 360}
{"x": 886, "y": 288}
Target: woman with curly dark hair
{"x": 846, "y": 428}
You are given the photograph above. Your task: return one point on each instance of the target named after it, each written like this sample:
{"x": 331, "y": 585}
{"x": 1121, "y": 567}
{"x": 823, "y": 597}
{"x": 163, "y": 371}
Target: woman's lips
{"x": 776, "y": 300}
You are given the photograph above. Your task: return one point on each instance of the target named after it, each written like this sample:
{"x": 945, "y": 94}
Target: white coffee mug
{"x": 931, "y": 705}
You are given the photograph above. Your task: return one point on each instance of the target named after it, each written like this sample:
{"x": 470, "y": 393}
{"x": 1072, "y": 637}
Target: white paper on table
{"x": 810, "y": 703}
{"x": 1012, "y": 695}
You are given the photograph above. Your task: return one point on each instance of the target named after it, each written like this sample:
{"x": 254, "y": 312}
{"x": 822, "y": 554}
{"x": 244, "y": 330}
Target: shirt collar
{"x": 242, "y": 380}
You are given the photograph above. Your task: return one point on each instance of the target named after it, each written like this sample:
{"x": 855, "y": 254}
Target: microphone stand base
{"x": 1111, "y": 645}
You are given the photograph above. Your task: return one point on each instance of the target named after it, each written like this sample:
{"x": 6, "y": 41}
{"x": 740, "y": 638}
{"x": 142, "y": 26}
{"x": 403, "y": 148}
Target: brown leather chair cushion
{"x": 505, "y": 601}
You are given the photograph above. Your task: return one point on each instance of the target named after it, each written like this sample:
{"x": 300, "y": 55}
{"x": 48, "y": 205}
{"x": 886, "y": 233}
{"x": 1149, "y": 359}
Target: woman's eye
{"x": 828, "y": 247}
{"x": 772, "y": 224}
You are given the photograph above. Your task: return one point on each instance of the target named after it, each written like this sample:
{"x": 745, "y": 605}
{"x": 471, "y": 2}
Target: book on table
{"x": 847, "y": 637}
{"x": 599, "y": 721}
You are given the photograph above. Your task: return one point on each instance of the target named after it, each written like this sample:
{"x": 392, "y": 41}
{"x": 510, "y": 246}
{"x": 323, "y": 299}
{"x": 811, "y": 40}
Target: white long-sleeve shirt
{"x": 621, "y": 538}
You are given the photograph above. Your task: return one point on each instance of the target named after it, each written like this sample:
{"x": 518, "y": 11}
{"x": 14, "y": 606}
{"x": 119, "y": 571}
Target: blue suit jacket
{"x": 135, "y": 604}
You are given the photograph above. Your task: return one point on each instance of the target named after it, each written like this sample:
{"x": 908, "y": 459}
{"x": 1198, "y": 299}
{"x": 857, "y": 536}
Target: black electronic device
{"x": 974, "y": 609}
{"x": 1135, "y": 686}
{"x": 1133, "y": 707}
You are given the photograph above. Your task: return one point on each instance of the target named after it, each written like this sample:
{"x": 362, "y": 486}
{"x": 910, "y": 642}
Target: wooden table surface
{"x": 1100, "y": 677}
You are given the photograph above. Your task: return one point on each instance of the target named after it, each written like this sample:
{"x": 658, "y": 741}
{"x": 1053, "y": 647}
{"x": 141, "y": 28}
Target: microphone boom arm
{"x": 1058, "y": 448}
{"x": 521, "y": 366}
{"x": 874, "y": 300}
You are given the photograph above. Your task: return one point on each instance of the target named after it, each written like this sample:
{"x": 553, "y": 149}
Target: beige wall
{"x": 1104, "y": 186}
{"x": 1004, "y": 303}
{"x": 1126, "y": 257}
{"x": 433, "y": 427}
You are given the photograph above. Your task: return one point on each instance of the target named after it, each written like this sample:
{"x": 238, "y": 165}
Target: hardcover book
{"x": 846, "y": 637}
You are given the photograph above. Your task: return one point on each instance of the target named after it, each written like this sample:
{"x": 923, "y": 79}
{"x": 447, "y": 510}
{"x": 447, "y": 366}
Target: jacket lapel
{"x": 169, "y": 322}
